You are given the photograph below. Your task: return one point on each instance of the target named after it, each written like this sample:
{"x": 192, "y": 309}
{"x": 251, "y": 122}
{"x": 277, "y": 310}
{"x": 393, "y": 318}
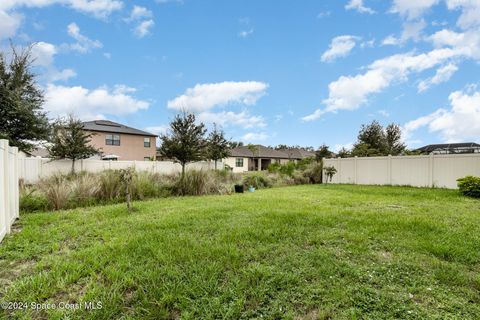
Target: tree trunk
{"x": 183, "y": 170}
{"x": 127, "y": 193}
{"x": 215, "y": 164}
{"x": 73, "y": 166}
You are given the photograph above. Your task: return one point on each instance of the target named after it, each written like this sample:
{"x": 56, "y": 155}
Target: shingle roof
{"x": 263, "y": 152}
{"x": 448, "y": 146}
{"x": 110, "y": 126}
{"x": 297, "y": 153}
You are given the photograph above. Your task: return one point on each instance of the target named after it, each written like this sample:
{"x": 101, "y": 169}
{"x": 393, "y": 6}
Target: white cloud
{"x": 412, "y": 9}
{"x": 97, "y": 8}
{"x": 338, "y": 147}
{"x": 143, "y": 28}
{"x": 158, "y": 130}
{"x": 412, "y": 30}
{"x": 224, "y": 118}
{"x": 139, "y": 12}
{"x": 359, "y": 6}
{"x": 62, "y": 75}
{"x": 107, "y": 55}
{"x": 468, "y": 43}
{"x": 255, "y": 137}
{"x": 443, "y": 74}
{"x": 350, "y": 92}
{"x": 470, "y": 15}
{"x": 43, "y": 54}
{"x": 245, "y": 33}
{"x": 383, "y": 113}
{"x": 203, "y": 97}
{"x": 90, "y": 104}
{"x": 9, "y": 24}
{"x": 459, "y": 124}
{"x": 339, "y": 47}
{"x": 83, "y": 44}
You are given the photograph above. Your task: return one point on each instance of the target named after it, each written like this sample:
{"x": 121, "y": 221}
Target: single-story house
{"x": 242, "y": 159}
{"x": 120, "y": 142}
{"x": 450, "y": 148}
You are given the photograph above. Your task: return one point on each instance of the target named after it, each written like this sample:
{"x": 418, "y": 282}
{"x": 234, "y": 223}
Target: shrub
{"x": 274, "y": 167}
{"x": 258, "y": 180}
{"x": 32, "y": 200}
{"x": 200, "y": 182}
{"x": 313, "y": 172}
{"x": 469, "y": 186}
{"x": 84, "y": 190}
{"x": 110, "y": 185}
{"x": 57, "y": 190}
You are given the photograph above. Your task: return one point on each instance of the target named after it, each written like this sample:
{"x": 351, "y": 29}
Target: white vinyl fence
{"x": 419, "y": 171}
{"x": 32, "y": 169}
{"x": 9, "y": 206}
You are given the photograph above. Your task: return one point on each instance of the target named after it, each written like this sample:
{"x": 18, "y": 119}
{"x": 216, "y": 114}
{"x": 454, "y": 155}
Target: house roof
{"x": 297, "y": 153}
{"x": 448, "y": 146}
{"x": 263, "y": 152}
{"x": 114, "y": 127}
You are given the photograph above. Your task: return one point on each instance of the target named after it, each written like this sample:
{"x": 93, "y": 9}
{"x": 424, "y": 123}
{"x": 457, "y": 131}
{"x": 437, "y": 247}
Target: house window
{"x": 146, "y": 142}
{"x": 112, "y": 140}
{"x": 277, "y": 161}
{"x": 147, "y": 159}
{"x": 238, "y": 162}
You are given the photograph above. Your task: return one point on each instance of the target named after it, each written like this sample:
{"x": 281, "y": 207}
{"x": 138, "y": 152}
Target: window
{"x": 112, "y": 140}
{"x": 277, "y": 161}
{"x": 146, "y": 142}
{"x": 238, "y": 162}
{"x": 147, "y": 159}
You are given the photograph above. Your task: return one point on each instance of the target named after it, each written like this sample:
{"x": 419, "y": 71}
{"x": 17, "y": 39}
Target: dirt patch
{"x": 9, "y": 271}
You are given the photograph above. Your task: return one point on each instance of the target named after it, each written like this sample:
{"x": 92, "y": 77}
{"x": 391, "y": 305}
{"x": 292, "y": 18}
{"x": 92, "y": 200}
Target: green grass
{"x": 304, "y": 252}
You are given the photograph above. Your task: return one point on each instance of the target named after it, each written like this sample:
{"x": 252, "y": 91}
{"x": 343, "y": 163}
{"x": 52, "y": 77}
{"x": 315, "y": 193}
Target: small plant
{"x": 126, "y": 176}
{"x": 257, "y": 180}
{"x": 329, "y": 172}
{"x": 469, "y": 186}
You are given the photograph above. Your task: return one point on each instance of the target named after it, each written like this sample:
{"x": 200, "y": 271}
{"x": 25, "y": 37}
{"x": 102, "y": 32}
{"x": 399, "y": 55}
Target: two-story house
{"x": 120, "y": 142}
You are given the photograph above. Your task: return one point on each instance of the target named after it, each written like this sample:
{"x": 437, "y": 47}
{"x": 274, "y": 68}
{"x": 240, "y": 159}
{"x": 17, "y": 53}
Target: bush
{"x": 469, "y": 186}
{"x": 313, "y": 172}
{"x": 258, "y": 180}
{"x": 200, "y": 182}
{"x": 57, "y": 190}
{"x": 32, "y": 200}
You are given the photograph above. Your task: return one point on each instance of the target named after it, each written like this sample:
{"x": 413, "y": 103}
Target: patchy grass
{"x": 304, "y": 252}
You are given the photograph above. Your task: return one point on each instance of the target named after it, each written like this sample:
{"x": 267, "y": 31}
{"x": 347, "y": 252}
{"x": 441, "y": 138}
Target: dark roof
{"x": 262, "y": 152}
{"x": 297, "y": 153}
{"x": 448, "y": 146}
{"x": 110, "y": 126}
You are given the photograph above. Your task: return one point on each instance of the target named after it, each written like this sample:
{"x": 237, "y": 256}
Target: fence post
{"x": 430, "y": 169}
{"x": 6, "y": 185}
{"x": 339, "y": 164}
{"x": 3, "y": 189}
{"x": 16, "y": 191}
{"x": 355, "y": 170}
{"x": 390, "y": 169}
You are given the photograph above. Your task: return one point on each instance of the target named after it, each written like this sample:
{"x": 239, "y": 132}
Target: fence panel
{"x": 9, "y": 193}
{"x": 32, "y": 169}
{"x": 419, "y": 171}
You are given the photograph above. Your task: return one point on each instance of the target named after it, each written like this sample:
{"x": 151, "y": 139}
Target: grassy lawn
{"x": 305, "y": 252}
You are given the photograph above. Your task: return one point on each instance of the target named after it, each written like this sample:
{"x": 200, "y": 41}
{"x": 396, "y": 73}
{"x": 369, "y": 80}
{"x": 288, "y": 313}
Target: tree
{"x": 185, "y": 142}
{"x": 393, "y": 137}
{"x": 329, "y": 172}
{"x": 234, "y": 144}
{"x": 374, "y": 140}
{"x": 21, "y": 117}
{"x": 218, "y": 147}
{"x": 322, "y": 152}
{"x": 343, "y": 153}
{"x": 70, "y": 141}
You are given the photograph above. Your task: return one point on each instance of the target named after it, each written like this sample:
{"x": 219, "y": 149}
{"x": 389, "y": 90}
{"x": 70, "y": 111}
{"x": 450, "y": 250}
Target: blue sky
{"x": 270, "y": 72}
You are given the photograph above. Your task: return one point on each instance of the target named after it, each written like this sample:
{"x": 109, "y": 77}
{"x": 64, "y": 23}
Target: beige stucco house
{"x": 120, "y": 142}
{"x": 242, "y": 159}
